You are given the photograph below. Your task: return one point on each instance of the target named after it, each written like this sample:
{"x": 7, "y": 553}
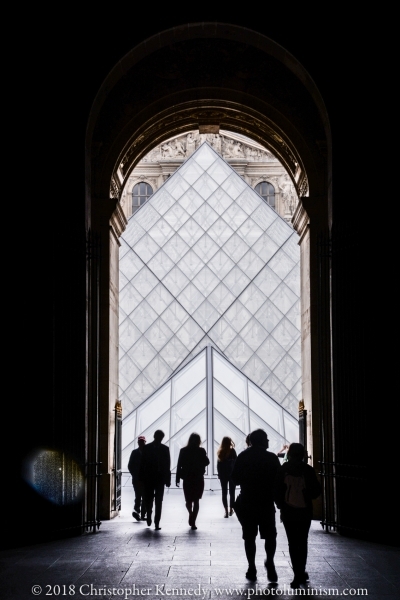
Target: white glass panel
{"x": 204, "y": 156}
{"x": 190, "y": 334}
{"x": 279, "y": 231}
{"x": 175, "y": 316}
{"x": 175, "y": 281}
{"x": 123, "y": 249}
{"x": 144, "y": 281}
{"x": 291, "y": 404}
{"x": 230, "y": 377}
{"x": 128, "y": 372}
{"x": 191, "y": 171}
{"x": 162, "y": 201}
{"x": 138, "y": 391}
{"x": 180, "y": 439}
{"x": 266, "y": 408}
{"x": 146, "y": 216}
{"x": 220, "y": 232}
{"x": 176, "y": 216}
{"x": 188, "y": 407}
{"x": 248, "y": 200}
{"x": 130, "y": 264}
{"x": 133, "y": 232}
{"x": 122, "y": 316}
{"x": 264, "y": 215}
{"x": 154, "y": 407}
{"x": 234, "y": 216}
{"x": 281, "y": 264}
{"x": 190, "y": 232}
{"x": 292, "y": 248}
{"x": 157, "y": 371}
{"x": 146, "y": 248}
{"x": 236, "y": 281}
{"x": 160, "y": 264}
{"x": 234, "y": 185}
{"x": 267, "y": 281}
{"x": 161, "y": 232}
{"x": 163, "y": 423}
{"x": 253, "y": 334}
{"x": 276, "y": 440}
{"x": 270, "y": 352}
{"x": 296, "y": 390}
{"x": 122, "y": 281}
{"x": 256, "y": 370}
{"x": 228, "y": 405}
{"x": 205, "y": 216}
{"x": 142, "y": 353}
{"x": 190, "y": 298}
{"x": 252, "y": 298}
{"x": 173, "y": 353}
{"x": 205, "y": 281}
{"x": 219, "y": 171}
{"x": 275, "y": 388}
{"x": 128, "y": 335}
{"x": 251, "y": 264}
{"x": 238, "y": 352}
{"x": 285, "y": 334}
{"x": 176, "y": 248}
{"x": 205, "y": 186}
{"x": 288, "y": 371}
{"x": 220, "y": 264}
{"x": 220, "y": 201}
{"x": 236, "y": 247}
{"x": 283, "y": 298}
{"x": 222, "y": 334}
{"x": 293, "y": 280}
{"x": 205, "y": 248}
{"x": 129, "y": 299}
{"x": 269, "y": 316}
{"x": 191, "y": 201}
{"x": 291, "y": 428}
{"x": 189, "y": 377}
{"x": 176, "y": 186}
{"x": 190, "y": 264}
{"x": 159, "y": 334}
{"x": 237, "y": 316}
{"x": 143, "y": 316}
{"x": 205, "y": 315}
{"x": 294, "y": 315}
{"x": 221, "y": 298}
{"x": 265, "y": 247}
{"x": 250, "y": 232}
{"x": 159, "y": 298}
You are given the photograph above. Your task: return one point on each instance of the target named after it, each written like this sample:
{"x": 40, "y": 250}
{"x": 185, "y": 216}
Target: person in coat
{"x": 192, "y": 463}
{"x": 155, "y": 473}
{"x": 295, "y": 488}
{"x": 226, "y": 454}
{"x": 139, "y": 507}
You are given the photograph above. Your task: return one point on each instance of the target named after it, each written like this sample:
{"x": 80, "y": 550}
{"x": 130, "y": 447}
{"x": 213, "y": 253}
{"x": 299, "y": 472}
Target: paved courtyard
{"x": 126, "y": 558}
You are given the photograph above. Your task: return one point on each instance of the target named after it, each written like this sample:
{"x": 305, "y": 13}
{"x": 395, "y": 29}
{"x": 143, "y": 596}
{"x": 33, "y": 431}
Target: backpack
{"x": 295, "y": 491}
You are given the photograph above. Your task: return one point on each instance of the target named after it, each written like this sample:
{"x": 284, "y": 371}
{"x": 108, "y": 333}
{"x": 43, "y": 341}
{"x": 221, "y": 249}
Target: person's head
{"x": 194, "y": 440}
{"x": 248, "y": 443}
{"x": 141, "y": 441}
{"x": 158, "y": 436}
{"x": 258, "y": 437}
{"x": 225, "y": 447}
{"x": 295, "y": 452}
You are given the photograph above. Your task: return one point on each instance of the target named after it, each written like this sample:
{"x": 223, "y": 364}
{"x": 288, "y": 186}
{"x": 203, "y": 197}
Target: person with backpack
{"x": 296, "y": 486}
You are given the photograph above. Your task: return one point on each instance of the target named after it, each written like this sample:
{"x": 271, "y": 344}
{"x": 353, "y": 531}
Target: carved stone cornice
{"x": 300, "y": 219}
{"x": 118, "y": 221}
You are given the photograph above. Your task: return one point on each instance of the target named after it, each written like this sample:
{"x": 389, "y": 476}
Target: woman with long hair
{"x": 191, "y": 467}
{"x": 226, "y": 454}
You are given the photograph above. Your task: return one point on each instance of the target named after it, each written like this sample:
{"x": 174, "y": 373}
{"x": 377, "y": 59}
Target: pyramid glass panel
{"x": 206, "y": 261}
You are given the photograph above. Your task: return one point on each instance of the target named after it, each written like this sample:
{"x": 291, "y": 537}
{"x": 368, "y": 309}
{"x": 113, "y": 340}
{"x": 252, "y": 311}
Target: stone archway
{"x": 205, "y": 76}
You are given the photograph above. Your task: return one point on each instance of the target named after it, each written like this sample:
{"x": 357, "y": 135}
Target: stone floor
{"x": 125, "y": 559}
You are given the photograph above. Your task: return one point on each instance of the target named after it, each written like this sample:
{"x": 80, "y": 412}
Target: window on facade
{"x": 267, "y": 191}
{"x": 140, "y": 193}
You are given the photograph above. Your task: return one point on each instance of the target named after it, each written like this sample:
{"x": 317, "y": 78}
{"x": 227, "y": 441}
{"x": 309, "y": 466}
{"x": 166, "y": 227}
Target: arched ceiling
{"x": 204, "y": 75}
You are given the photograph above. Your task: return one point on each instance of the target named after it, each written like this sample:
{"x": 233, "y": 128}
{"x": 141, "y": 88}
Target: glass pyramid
{"x": 207, "y": 261}
{"x": 208, "y": 385}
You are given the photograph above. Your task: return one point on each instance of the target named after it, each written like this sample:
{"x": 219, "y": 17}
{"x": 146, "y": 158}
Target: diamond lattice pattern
{"x": 206, "y": 260}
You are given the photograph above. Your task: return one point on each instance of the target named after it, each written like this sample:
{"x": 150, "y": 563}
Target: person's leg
{"x": 232, "y": 488}
{"x": 224, "y": 489}
{"x": 196, "y": 506}
{"x": 158, "y": 499}
{"x": 149, "y": 499}
{"x": 297, "y": 532}
{"x": 250, "y": 530}
{"x": 268, "y": 532}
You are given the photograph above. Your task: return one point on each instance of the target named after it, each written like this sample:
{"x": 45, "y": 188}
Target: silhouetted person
{"x": 248, "y": 443}
{"x": 139, "y": 508}
{"x": 255, "y": 471}
{"x": 296, "y": 486}
{"x": 155, "y": 473}
{"x": 191, "y": 467}
{"x": 226, "y": 454}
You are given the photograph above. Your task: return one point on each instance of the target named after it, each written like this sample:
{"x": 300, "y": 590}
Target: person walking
{"x": 255, "y": 470}
{"x": 226, "y": 454}
{"x": 192, "y": 463}
{"x": 139, "y": 508}
{"x": 295, "y": 488}
{"x": 155, "y": 473}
